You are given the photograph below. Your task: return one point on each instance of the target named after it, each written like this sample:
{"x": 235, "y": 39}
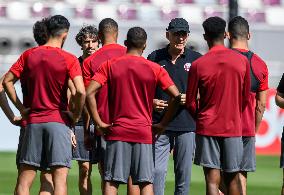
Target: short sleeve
{"x": 101, "y": 75}
{"x": 151, "y": 57}
{"x": 74, "y": 68}
{"x": 264, "y": 79}
{"x": 87, "y": 72}
{"x": 163, "y": 78}
{"x": 18, "y": 67}
{"x": 280, "y": 87}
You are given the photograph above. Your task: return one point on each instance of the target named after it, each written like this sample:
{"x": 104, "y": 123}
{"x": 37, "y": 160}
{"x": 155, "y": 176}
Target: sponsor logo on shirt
{"x": 187, "y": 66}
{"x": 163, "y": 66}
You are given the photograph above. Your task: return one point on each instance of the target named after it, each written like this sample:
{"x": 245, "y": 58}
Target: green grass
{"x": 265, "y": 181}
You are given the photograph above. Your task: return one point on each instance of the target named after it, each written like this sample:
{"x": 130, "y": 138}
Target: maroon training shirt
{"x": 47, "y": 70}
{"x": 260, "y": 71}
{"x": 91, "y": 65}
{"x": 132, "y": 84}
{"x": 222, "y": 77}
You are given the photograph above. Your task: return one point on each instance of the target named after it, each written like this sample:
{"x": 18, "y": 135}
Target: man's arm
{"x": 260, "y": 107}
{"x": 8, "y": 85}
{"x": 5, "y": 105}
{"x": 279, "y": 99}
{"x": 91, "y": 103}
{"x": 246, "y": 87}
{"x": 79, "y": 97}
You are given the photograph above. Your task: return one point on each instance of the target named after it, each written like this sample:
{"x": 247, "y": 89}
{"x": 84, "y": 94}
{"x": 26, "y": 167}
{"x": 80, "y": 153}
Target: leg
{"x": 282, "y": 191}
{"x": 26, "y": 177}
{"x": 161, "y": 158}
{"x": 132, "y": 189}
{"x": 183, "y": 155}
{"x": 111, "y": 188}
{"x": 46, "y": 183}
{"x": 101, "y": 171}
{"x": 212, "y": 178}
{"x": 222, "y": 186}
{"x": 243, "y": 180}
{"x": 59, "y": 177}
{"x": 146, "y": 189}
{"x": 233, "y": 183}
{"x": 85, "y": 185}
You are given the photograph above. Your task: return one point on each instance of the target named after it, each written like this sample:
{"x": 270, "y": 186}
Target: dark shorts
{"x": 224, "y": 153}
{"x": 248, "y": 161}
{"x": 46, "y": 145}
{"x": 100, "y": 149}
{"x": 20, "y": 143}
{"x": 80, "y": 153}
{"x": 124, "y": 159}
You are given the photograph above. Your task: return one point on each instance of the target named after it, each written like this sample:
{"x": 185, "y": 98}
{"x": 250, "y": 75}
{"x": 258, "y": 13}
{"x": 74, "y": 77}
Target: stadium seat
{"x": 126, "y": 12}
{"x": 141, "y": 1}
{"x": 255, "y": 16}
{"x": 148, "y": 13}
{"x": 271, "y": 2}
{"x": 274, "y": 15}
{"x": 206, "y": 2}
{"x": 211, "y": 11}
{"x": 62, "y": 9}
{"x": 163, "y": 2}
{"x": 18, "y": 10}
{"x": 2, "y": 11}
{"x": 185, "y": 1}
{"x": 101, "y": 11}
{"x": 83, "y": 12}
{"x": 223, "y": 2}
{"x": 167, "y": 13}
{"x": 192, "y": 13}
{"x": 255, "y": 4}
{"x": 38, "y": 9}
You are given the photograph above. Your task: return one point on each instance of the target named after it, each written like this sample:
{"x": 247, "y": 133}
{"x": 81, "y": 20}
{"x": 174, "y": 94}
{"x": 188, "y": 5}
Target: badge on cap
{"x": 187, "y": 66}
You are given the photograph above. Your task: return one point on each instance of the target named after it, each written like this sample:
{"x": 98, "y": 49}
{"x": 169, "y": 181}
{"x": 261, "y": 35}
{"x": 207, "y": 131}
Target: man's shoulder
{"x": 157, "y": 55}
{"x": 192, "y": 53}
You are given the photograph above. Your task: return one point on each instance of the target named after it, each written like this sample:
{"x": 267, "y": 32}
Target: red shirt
{"x": 132, "y": 82}
{"x": 260, "y": 71}
{"x": 47, "y": 70}
{"x": 222, "y": 77}
{"x": 91, "y": 65}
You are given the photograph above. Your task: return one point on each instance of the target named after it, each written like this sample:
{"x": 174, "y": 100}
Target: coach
{"x": 176, "y": 59}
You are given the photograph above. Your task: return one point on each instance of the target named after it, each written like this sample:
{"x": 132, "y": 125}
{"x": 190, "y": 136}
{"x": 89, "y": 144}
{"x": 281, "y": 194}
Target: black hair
{"x": 57, "y": 24}
{"x": 108, "y": 25}
{"x": 238, "y": 27}
{"x": 40, "y": 31}
{"x": 86, "y": 31}
{"x": 136, "y": 37}
{"x": 214, "y": 27}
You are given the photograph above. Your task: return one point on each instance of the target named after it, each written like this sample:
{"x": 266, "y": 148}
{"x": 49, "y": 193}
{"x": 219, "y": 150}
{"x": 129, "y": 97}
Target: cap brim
{"x": 179, "y": 29}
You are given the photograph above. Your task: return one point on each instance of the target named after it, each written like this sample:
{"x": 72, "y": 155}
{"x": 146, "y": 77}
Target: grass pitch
{"x": 267, "y": 180}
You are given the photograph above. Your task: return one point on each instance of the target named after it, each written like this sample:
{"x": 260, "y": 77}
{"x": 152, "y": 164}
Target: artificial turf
{"x": 267, "y": 180}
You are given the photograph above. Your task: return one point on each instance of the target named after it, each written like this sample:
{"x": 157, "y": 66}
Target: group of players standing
{"x": 205, "y": 108}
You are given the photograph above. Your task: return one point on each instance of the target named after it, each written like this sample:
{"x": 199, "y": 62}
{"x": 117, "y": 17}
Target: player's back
{"x": 48, "y": 70}
{"x": 221, "y": 74}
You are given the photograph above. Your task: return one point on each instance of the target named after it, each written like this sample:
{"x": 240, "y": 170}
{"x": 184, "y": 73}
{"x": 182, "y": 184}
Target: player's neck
{"x": 54, "y": 42}
{"x": 240, "y": 44}
{"x": 134, "y": 52}
{"x": 215, "y": 43}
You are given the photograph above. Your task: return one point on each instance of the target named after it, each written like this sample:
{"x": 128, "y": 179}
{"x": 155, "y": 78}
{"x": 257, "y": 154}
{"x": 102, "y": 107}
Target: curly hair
{"x": 86, "y": 31}
{"x": 40, "y": 31}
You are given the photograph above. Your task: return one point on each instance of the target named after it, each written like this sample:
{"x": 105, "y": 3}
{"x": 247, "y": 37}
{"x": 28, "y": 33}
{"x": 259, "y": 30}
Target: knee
{"x": 85, "y": 171}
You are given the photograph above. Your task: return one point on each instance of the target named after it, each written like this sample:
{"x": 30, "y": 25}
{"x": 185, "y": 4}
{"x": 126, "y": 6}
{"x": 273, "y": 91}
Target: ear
{"x": 167, "y": 35}
{"x": 144, "y": 47}
{"x": 249, "y": 36}
{"x": 125, "y": 43}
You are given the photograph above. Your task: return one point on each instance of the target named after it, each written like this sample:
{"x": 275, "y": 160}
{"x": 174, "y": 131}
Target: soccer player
{"x": 239, "y": 35}
{"x": 47, "y": 140}
{"x": 279, "y": 99}
{"x": 222, "y": 77}
{"x": 132, "y": 82}
{"x": 108, "y": 34}
{"x": 87, "y": 38}
{"x": 179, "y": 136}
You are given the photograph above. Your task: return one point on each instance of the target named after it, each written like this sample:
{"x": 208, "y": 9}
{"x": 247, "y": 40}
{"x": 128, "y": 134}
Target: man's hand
{"x": 159, "y": 105}
{"x": 74, "y": 119}
{"x": 183, "y": 99}
{"x": 73, "y": 139}
{"x": 103, "y": 128}
{"x": 25, "y": 113}
{"x": 158, "y": 128}
{"x": 17, "y": 120}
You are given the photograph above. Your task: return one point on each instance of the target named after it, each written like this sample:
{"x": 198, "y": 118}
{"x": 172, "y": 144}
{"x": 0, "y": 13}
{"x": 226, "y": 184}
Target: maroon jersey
{"x": 222, "y": 77}
{"x": 132, "y": 83}
{"x": 46, "y": 71}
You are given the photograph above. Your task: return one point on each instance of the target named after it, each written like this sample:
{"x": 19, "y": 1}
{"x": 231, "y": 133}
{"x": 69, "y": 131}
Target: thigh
{"x": 117, "y": 161}
{"x": 142, "y": 163}
{"x": 232, "y": 152}
{"x": 248, "y": 160}
{"x": 162, "y": 151}
{"x": 58, "y": 147}
{"x": 184, "y": 146}
{"x": 31, "y": 152}
{"x": 207, "y": 152}
{"x": 80, "y": 153}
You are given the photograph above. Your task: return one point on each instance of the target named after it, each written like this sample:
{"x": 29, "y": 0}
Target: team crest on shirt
{"x": 187, "y": 66}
